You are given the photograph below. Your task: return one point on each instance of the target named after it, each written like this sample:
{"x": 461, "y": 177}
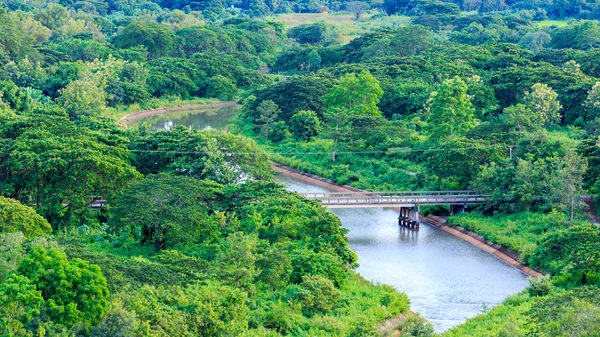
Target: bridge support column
{"x": 457, "y": 209}
{"x": 409, "y": 217}
{"x": 416, "y": 217}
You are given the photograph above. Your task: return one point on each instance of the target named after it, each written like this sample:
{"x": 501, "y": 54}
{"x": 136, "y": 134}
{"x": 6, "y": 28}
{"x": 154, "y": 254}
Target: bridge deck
{"x": 396, "y": 199}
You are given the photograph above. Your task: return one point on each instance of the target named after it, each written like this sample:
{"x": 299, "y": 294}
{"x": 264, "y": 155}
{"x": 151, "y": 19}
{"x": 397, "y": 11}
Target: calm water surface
{"x": 199, "y": 119}
{"x": 446, "y": 279}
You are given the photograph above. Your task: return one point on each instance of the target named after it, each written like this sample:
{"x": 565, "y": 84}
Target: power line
{"x": 322, "y": 152}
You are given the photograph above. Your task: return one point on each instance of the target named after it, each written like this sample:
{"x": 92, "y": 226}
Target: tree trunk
{"x": 572, "y": 208}
{"x": 334, "y": 150}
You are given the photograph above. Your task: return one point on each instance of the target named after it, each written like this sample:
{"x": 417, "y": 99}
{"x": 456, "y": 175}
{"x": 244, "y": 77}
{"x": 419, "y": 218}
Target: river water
{"x": 446, "y": 279}
{"x": 197, "y": 119}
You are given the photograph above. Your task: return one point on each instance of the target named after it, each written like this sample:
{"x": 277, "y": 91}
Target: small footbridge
{"x": 407, "y": 202}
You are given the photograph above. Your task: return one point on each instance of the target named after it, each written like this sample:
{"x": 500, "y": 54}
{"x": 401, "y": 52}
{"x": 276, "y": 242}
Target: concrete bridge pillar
{"x": 409, "y": 217}
{"x": 457, "y": 209}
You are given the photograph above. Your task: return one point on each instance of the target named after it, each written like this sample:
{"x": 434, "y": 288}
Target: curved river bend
{"x": 446, "y": 279}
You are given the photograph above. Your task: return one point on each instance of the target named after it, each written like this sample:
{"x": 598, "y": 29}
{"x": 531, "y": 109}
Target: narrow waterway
{"x": 446, "y": 279}
{"x": 195, "y": 119}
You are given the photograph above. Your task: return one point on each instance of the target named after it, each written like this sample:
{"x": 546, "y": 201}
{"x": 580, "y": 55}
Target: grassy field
{"x": 549, "y": 23}
{"x": 344, "y": 22}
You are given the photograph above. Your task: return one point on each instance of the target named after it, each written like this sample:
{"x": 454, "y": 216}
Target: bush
{"x": 16, "y": 217}
{"x": 540, "y": 286}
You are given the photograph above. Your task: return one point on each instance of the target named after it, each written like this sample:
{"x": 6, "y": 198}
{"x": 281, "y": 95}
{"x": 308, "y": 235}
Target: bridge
{"x": 408, "y": 202}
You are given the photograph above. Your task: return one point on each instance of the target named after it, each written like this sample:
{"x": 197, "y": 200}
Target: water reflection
{"x": 199, "y": 119}
{"x": 447, "y": 279}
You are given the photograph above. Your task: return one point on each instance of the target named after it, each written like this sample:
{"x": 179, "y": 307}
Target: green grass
{"x": 519, "y": 232}
{"x": 344, "y": 22}
{"x": 550, "y": 23}
{"x": 507, "y": 319}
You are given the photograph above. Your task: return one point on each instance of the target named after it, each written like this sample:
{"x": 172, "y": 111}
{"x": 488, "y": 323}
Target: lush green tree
{"x": 304, "y": 125}
{"x": 589, "y": 149}
{"x": 356, "y": 95}
{"x": 236, "y": 260}
{"x": 404, "y": 97}
{"x": 450, "y": 111}
{"x": 456, "y": 161}
{"x": 267, "y": 114}
{"x": 593, "y": 103}
{"x": 318, "y": 295}
{"x": 215, "y": 309}
{"x": 228, "y": 159}
{"x": 395, "y": 6}
{"x": 56, "y": 165}
{"x": 16, "y": 217}
{"x": 20, "y": 303}
{"x": 166, "y": 210}
{"x": 221, "y": 87}
{"x": 156, "y": 37}
{"x": 83, "y": 97}
{"x": 319, "y": 33}
{"x": 338, "y": 128}
{"x": 175, "y": 76}
{"x": 568, "y": 313}
{"x": 571, "y": 251}
{"x": 14, "y": 41}
{"x": 535, "y": 41}
{"x": 406, "y": 41}
{"x": 294, "y": 94}
{"x": 357, "y": 7}
{"x": 584, "y": 35}
{"x": 543, "y": 101}
{"x": 75, "y": 293}
{"x": 117, "y": 322}
{"x": 12, "y": 251}
{"x": 582, "y": 318}
{"x": 522, "y": 118}
{"x": 570, "y": 174}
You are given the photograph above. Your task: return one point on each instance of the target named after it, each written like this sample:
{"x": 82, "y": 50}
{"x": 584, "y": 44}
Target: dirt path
{"x": 591, "y": 211}
{"x": 161, "y": 111}
{"x": 509, "y": 257}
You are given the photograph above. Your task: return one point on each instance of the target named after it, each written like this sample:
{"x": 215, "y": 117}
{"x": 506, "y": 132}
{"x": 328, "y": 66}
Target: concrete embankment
{"x": 508, "y": 256}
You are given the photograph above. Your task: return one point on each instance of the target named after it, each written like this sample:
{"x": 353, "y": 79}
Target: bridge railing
{"x": 398, "y": 198}
{"x": 329, "y": 195}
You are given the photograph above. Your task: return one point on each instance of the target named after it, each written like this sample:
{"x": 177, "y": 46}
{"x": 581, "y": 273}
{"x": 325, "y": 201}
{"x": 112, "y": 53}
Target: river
{"x": 446, "y": 279}
{"x": 196, "y": 119}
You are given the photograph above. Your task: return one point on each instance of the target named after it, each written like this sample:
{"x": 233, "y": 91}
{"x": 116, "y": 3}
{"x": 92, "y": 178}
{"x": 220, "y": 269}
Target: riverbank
{"x": 177, "y": 108}
{"x": 506, "y": 255}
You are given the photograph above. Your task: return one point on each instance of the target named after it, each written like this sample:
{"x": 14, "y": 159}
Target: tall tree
{"x": 156, "y": 37}
{"x": 356, "y": 95}
{"x": 267, "y": 114}
{"x": 450, "y": 110}
{"x": 543, "y": 101}
{"x": 357, "y": 7}
{"x": 305, "y": 125}
{"x": 15, "y": 216}
{"x": 569, "y": 179}
{"x": 165, "y": 210}
{"x": 74, "y": 292}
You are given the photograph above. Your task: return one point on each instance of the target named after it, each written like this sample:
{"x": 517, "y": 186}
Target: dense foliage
{"x": 199, "y": 241}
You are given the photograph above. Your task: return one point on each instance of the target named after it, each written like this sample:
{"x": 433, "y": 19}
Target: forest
{"x": 497, "y": 96}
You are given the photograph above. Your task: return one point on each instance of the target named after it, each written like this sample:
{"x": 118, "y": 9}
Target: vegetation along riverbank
{"x": 498, "y": 97}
